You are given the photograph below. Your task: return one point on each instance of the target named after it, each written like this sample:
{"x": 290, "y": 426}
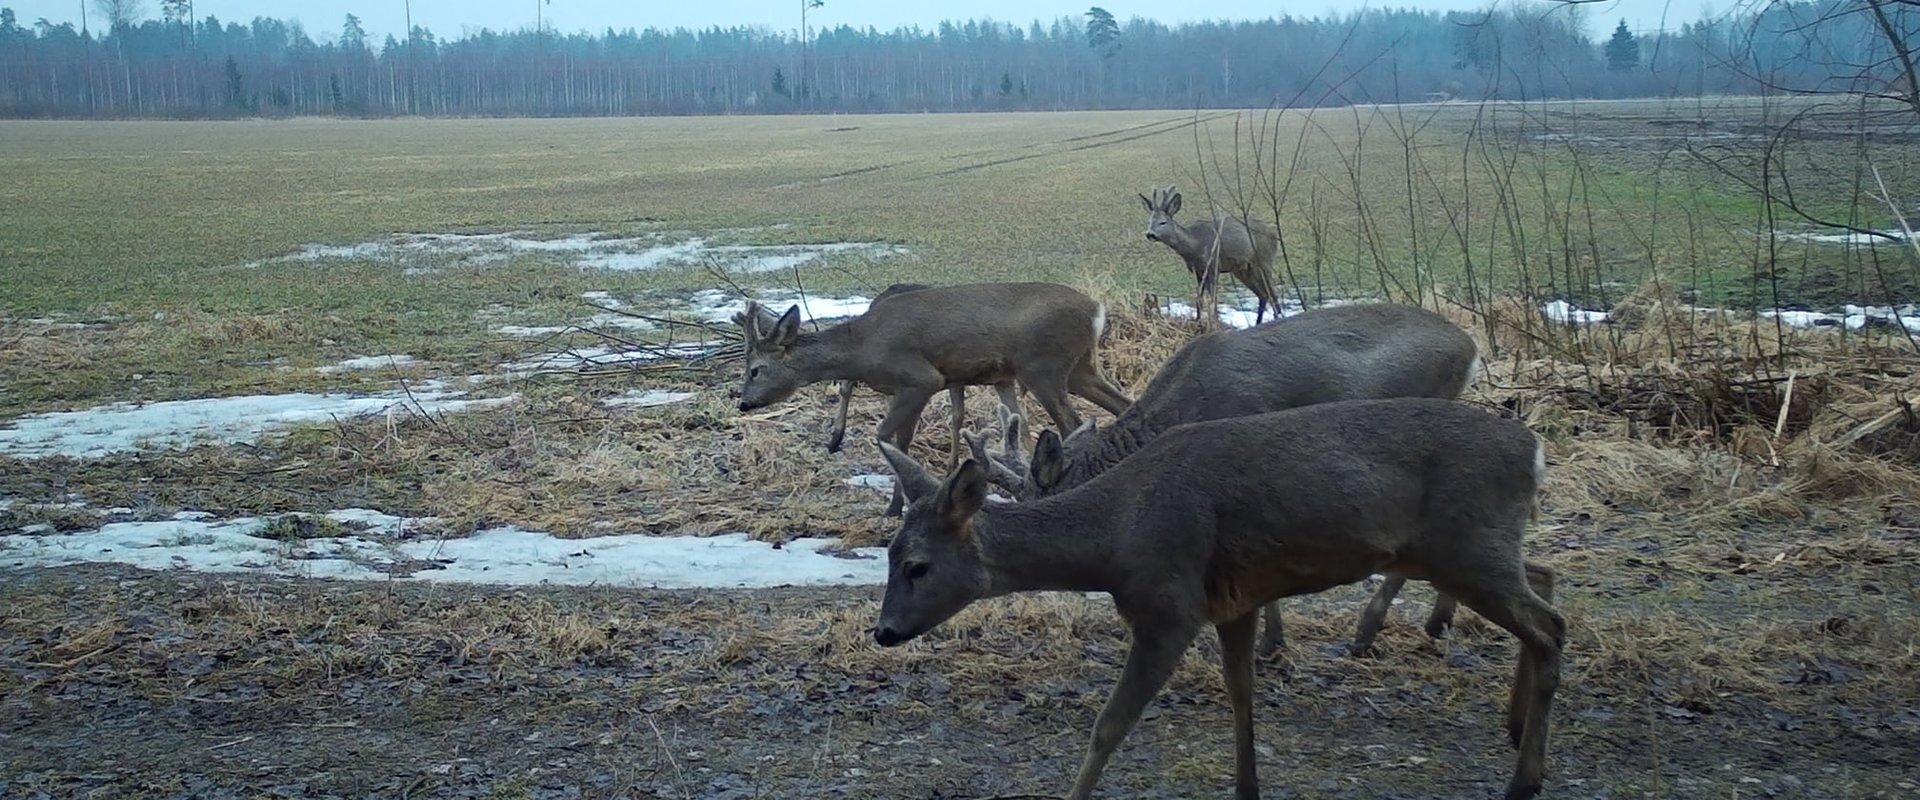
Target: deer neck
{"x": 1063, "y": 543}
{"x": 1108, "y": 446}
{"x": 1190, "y": 240}
{"x": 832, "y": 354}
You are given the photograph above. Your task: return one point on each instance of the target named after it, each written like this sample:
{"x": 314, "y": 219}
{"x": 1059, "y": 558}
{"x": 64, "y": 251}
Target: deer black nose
{"x": 887, "y": 637}
{"x": 746, "y": 406}
{"x": 1152, "y": 238}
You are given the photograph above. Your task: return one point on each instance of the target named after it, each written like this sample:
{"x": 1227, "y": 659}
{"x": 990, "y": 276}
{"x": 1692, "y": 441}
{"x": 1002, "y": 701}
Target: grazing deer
{"x": 956, "y": 396}
{"x": 1223, "y": 241}
{"x": 1044, "y": 335}
{"x": 1214, "y": 519}
{"x": 1341, "y": 353}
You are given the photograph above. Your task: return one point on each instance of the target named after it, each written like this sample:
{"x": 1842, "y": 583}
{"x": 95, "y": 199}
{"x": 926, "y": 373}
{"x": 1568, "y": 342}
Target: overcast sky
{"x": 451, "y": 17}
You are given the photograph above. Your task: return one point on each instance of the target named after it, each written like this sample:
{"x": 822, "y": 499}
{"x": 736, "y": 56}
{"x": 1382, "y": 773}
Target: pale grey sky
{"x": 450, "y": 17}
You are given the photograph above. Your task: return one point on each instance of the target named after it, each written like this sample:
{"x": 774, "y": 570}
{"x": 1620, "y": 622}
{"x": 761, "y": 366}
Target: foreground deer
{"x": 1341, "y": 353}
{"x": 1223, "y": 241}
{"x": 915, "y": 344}
{"x": 1216, "y": 518}
{"x": 956, "y": 396}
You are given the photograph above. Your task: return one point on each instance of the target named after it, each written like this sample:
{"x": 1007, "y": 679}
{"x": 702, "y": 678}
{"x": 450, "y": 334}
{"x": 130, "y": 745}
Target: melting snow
{"x": 714, "y": 305}
{"x": 587, "y": 251}
{"x": 881, "y": 482}
{"x": 368, "y": 362}
{"x": 508, "y": 556}
{"x": 1565, "y": 312}
{"x": 1851, "y": 317}
{"x": 648, "y": 398}
{"x": 582, "y": 357}
{"x": 129, "y": 426}
{"x": 1239, "y": 313}
{"x": 1850, "y": 238}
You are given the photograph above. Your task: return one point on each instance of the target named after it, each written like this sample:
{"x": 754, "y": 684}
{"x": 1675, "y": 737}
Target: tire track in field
{"x": 1082, "y": 142}
{"x": 1184, "y": 123}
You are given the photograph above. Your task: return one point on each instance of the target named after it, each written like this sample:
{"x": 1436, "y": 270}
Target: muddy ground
{"x": 120, "y": 683}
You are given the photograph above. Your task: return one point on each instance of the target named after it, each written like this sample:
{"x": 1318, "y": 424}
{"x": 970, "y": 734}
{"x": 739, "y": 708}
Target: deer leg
{"x": 1236, "y": 669}
{"x": 1087, "y": 382}
{"x": 1054, "y": 400}
{"x": 1375, "y": 615}
{"x": 957, "y": 399}
{"x": 903, "y": 415}
{"x": 839, "y": 434}
{"x": 1155, "y": 653}
{"x": 1442, "y": 617}
{"x": 1502, "y": 595}
{"x": 1009, "y": 397}
{"x": 1273, "y": 637}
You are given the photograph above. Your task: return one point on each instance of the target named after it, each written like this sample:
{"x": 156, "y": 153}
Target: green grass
{"x": 126, "y": 221}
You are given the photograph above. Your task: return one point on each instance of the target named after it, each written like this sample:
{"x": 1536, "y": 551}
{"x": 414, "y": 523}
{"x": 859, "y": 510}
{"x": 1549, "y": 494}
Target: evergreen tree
{"x": 1623, "y": 50}
{"x": 1103, "y": 33}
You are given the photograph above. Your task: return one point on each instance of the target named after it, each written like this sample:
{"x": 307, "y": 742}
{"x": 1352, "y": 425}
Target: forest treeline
{"x": 180, "y": 67}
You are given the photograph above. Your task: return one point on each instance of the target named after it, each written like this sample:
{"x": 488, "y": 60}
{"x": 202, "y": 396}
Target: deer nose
{"x": 1151, "y": 237}
{"x": 746, "y": 406}
{"x": 887, "y": 637}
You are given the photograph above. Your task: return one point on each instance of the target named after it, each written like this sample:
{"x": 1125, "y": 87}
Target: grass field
{"x": 1731, "y": 506}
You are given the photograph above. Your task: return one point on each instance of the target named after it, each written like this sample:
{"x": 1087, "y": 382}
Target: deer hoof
{"x": 1437, "y": 628}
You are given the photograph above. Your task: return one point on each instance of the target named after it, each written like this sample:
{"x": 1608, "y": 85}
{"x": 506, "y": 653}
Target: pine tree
{"x": 1623, "y": 50}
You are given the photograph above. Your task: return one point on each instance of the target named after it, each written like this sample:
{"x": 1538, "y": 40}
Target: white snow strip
{"x": 713, "y": 305}
{"x": 588, "y": 251}
{"x": 1850, "y": 238}
{"x": 1565, "y": 312}
{"x": 122, "y": 427}
{"x": 395, "y": 360}
{"x": 503, "y": 556}
{"x": 1238, "y": 313}
{"x": 647, "y": 399}
{"x": 604, "y": 357}
{"x": 869, "y": 481}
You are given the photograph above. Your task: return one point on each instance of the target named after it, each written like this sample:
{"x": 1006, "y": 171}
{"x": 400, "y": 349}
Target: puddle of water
{"x": 587, "y": 251}
{"x": 648, "y": 398}
{"x": 122, "y": 427}
{"x": 358, "y": 363}
{"x": 501, "y": 556}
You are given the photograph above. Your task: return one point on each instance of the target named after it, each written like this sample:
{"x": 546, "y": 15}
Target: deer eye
{"x": 916, "y": 571}
{"x": 753, "y": 373}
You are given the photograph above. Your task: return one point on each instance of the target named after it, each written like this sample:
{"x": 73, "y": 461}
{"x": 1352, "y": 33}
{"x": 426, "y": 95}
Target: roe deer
{"x": 956, "y": 396}
{"x": 1342, "y": 353}
{"x": 1044, "y": 335}
{"x": 1223, "y": 241}
{"x": 1214, "y": 519}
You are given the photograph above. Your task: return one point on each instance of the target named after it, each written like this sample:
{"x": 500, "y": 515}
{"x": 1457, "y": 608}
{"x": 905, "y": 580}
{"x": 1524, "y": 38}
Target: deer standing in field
{"x": 956, "y": 396}
{"x": 1045, "y": 336}
{"x": 1214, "y": 519}
{"x": 1222, "y": 245}
{"x": 1361, "y": 352}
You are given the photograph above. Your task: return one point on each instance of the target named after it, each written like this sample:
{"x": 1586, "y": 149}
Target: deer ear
{"x": 914, "y": 481}
{"x": 1048, "y": 460}
{"x": 1173, "y": 202}
{"x": 963, "y": 495}
{"x": 787, "y": 329}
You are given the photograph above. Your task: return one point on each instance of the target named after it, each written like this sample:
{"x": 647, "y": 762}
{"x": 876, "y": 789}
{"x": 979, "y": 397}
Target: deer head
{"x": 769, "y": 339}
{"x": 933, "y": 563}
{"x": 1160, "y": 210}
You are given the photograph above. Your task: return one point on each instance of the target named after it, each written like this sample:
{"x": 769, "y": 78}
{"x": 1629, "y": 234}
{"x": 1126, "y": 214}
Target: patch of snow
{"x": 714, "y": 305}
{"x": 603, "y": 298}
{"x": 582, "y": 357}
{"x": 648, "y": 398}
{"x": 1236, "y": 313}
{"x": 503, "y": 556}
{"x": 1564, "y": 312}
{"x": 1851, "y": 317}
{"x": 588, "y": 251}
{"x": 1849, "y": 238}
{"x": 368, "y": 362}
{"x": 121, "y": 427}
{"x": 530, "y": 332}
{"x": 192, "y": 516}
{"x": 869, "y": 481}
{"x": 37, "y": 528}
